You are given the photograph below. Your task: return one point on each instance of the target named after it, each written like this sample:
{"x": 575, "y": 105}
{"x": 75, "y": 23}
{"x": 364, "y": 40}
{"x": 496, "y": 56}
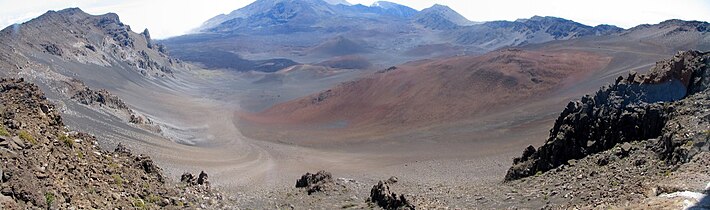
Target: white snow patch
{"x": 691, "y": 199}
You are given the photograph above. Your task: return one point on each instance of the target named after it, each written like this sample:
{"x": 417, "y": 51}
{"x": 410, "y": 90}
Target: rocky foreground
{"x": 632, "y": 138}
{"x": 640, "y": 143}
{"x": 44, "y": 165}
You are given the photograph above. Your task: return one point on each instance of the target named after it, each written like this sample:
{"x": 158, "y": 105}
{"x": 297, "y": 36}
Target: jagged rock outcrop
{"x": 101, "y": 98}
{"x": 317, "y": 182}
{"x": 52, "y": 49}
{"x": 633, "y": 108}
{"x": 148, "y": 40}
{"x": 385, "y": 198}
{"x": 44, "y": 165}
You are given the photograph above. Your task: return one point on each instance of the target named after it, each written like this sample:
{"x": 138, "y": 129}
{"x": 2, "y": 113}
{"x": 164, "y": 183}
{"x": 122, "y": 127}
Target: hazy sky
{"x": 166, "y": 18}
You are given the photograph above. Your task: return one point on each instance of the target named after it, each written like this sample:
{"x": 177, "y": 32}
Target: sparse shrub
{"x": 66, "y": 140}
{"x": 117, "y": 179}
{"x": 80, "y": 154}
{"x": 138, "y": 203}
{"x": 688, "y": 144}
{"x": 538, "y": 173}
{"x": 49, "y": 198}
{"x": 24, "y": 135}
{"x": 152, "y": 198}
{"x": 3, "y": 131}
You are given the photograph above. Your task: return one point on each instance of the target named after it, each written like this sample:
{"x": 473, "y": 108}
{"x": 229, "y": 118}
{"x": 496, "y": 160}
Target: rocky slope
{"x": 634, "y": 108}
{"x": 86, "y": 55}
{"x": 44, "y": 165}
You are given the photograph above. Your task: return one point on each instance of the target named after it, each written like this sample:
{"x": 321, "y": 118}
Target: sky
{"x": 166, "y": 18}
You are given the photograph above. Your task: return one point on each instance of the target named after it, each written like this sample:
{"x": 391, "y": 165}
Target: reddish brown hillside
{"x": 440, "y": 90}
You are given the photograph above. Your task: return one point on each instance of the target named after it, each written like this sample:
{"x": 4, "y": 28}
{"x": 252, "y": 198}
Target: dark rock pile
{"x": 190, "y": 179}
{"x": 633, "y": 108}
{"x": 385, "y": 198}
{"x": 101, "y": 97}
{"x": 53, "y": 49}
{"x": 317, "y": 182}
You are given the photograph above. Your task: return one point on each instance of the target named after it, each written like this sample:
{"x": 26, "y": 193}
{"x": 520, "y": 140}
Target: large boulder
{"x": 317, "y": 182}
{"x": 385, "y": 198}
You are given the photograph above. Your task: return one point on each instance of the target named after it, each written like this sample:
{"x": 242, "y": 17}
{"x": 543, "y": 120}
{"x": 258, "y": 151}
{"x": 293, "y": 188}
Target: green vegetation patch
{"x": 66, "y": 140}
{"x": 49, "y": 198}
{"x": 117, "y": 179}
{"x": 24, "y": 135}
{"x": 3, "y": 131}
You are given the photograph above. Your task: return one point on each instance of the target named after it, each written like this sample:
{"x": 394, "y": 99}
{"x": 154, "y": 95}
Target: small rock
{"x": 639, "y": 162}
{"x": 602, "y": 161}
{"x": 122, "y": 149}
{"x": 626, "y": 147}
{"x": 41, "y": 175}
{"x": 392, "y": 180}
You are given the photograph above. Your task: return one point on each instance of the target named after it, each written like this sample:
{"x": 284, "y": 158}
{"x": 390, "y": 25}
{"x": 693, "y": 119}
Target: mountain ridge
{"x": 263, "y": 29}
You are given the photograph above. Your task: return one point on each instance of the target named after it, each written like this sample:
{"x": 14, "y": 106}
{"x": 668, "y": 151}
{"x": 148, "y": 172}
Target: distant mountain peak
{"x": 441, "y": 17}
{"x": 538, "y": 18}
{"x": 384, "y": 4}
{"x": 394, "y": 9}
{"x": 73, "y": 10}
{"x": 336, "y": 2}
{"x": 439, "y": 6}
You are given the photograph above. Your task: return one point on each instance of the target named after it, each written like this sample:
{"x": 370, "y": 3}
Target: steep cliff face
{"x": 79, "y": 37}
{"x": 637, "y": 107}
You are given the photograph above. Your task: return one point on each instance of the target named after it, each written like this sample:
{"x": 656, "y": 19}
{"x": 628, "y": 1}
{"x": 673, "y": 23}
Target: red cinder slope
{"x": 429, "y": 92}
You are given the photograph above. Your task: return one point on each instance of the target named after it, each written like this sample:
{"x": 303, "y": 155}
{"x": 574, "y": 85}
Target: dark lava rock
{"x": 52, "y": 49}
{"x": 603, "y": 161}
{"x": 202, "y": 178}
{"x": 317, "y": 182}
{"x": 633, "y": 108}
{"x": 101, "y": 97}
{"x": 383, "y": 197}
{"x": 187, "y": 178}
{"x": 149, "y": 167}
{"x": 121, "y": 149}
{"x": 190, "y": 179}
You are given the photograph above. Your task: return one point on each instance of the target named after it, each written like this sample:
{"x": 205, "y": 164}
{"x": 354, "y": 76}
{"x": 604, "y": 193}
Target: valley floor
{"x": 464, "y": 172}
